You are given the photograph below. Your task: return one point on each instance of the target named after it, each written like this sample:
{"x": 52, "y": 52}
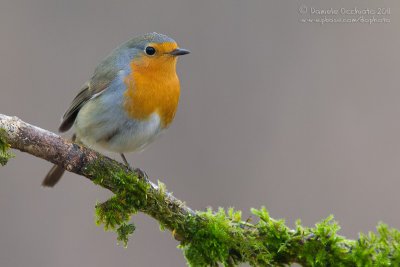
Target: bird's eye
{"x": 150, "y": 50}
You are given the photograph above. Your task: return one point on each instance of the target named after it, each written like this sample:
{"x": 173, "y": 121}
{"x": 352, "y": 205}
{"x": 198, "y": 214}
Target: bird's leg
{"x": 125, "y": 161}
{"x": 137, "y": 170}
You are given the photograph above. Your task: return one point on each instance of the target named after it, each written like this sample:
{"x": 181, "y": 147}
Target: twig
{"x": 74, "y": 158}
{"x": 207, "y": 238}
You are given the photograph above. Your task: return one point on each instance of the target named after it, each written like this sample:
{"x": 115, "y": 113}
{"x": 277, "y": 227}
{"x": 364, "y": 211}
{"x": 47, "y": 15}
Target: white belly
{"x": 134, "y": 138}
{"x": 111, "y": 129}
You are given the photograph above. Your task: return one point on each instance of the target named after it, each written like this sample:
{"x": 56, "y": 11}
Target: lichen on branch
{"x": 207, "y": 238}
{"x": 5, "y": 153}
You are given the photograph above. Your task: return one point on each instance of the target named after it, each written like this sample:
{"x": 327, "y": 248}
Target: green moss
{"x": 5, "y": 155}
{"x": 323, "y": 246}
{"x": 124, "y": 231}
{"x": 224, "y": 238}
{"x": 380, "y": 249}
{"x": 210, "y": 238}
{"x": 130, "y": 197}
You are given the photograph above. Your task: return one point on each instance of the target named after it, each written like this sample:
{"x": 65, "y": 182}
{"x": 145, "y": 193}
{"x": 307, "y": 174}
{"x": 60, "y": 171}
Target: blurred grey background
{"x": 301, "y": 117}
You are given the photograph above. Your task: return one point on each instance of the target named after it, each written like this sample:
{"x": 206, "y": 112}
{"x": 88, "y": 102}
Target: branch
{"x": 207, "y": 238}
{"x": 74, "y": 158}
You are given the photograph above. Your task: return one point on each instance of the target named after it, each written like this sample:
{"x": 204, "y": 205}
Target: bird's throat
{"x": 152, "y": 88}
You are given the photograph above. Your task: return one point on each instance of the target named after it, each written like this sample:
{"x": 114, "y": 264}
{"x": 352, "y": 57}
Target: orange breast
{"x": 152, "y": 86}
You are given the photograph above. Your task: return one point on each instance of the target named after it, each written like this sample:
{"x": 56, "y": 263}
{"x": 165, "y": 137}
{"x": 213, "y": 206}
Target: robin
{"x": 131, "y": 98}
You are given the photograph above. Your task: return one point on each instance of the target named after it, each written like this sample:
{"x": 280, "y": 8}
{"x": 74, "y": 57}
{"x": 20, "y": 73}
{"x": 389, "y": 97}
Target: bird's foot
{"x": 141, "y": 174}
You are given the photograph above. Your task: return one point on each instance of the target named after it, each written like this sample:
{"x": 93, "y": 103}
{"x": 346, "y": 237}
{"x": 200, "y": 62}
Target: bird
{"x": 129, "y": 100}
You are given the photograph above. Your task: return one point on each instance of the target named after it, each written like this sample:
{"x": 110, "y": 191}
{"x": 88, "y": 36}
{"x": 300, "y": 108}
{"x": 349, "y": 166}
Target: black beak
{"x": 179, "y": 52}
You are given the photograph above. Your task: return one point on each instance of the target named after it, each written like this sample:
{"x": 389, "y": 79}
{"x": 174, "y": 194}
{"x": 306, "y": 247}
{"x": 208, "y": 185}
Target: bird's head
{"x": 154, "y": 51}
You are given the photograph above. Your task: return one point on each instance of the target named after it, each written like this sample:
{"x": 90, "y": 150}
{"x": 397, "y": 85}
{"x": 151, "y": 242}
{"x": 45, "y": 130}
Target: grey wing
{"x": 70, "y": 115}
{"x": 103, "y": 76}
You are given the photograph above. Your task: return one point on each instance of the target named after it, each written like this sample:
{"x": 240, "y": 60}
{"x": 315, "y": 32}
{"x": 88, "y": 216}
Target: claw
{"x": 141, "y": 173}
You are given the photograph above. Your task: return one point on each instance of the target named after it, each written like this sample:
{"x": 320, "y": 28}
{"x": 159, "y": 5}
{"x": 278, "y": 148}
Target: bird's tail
{"x": 53, "y": 176}
{"x": 55, "y": 173}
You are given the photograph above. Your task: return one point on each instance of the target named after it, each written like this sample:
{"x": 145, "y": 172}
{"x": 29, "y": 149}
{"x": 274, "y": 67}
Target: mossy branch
{"x": 207, "y": 238}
